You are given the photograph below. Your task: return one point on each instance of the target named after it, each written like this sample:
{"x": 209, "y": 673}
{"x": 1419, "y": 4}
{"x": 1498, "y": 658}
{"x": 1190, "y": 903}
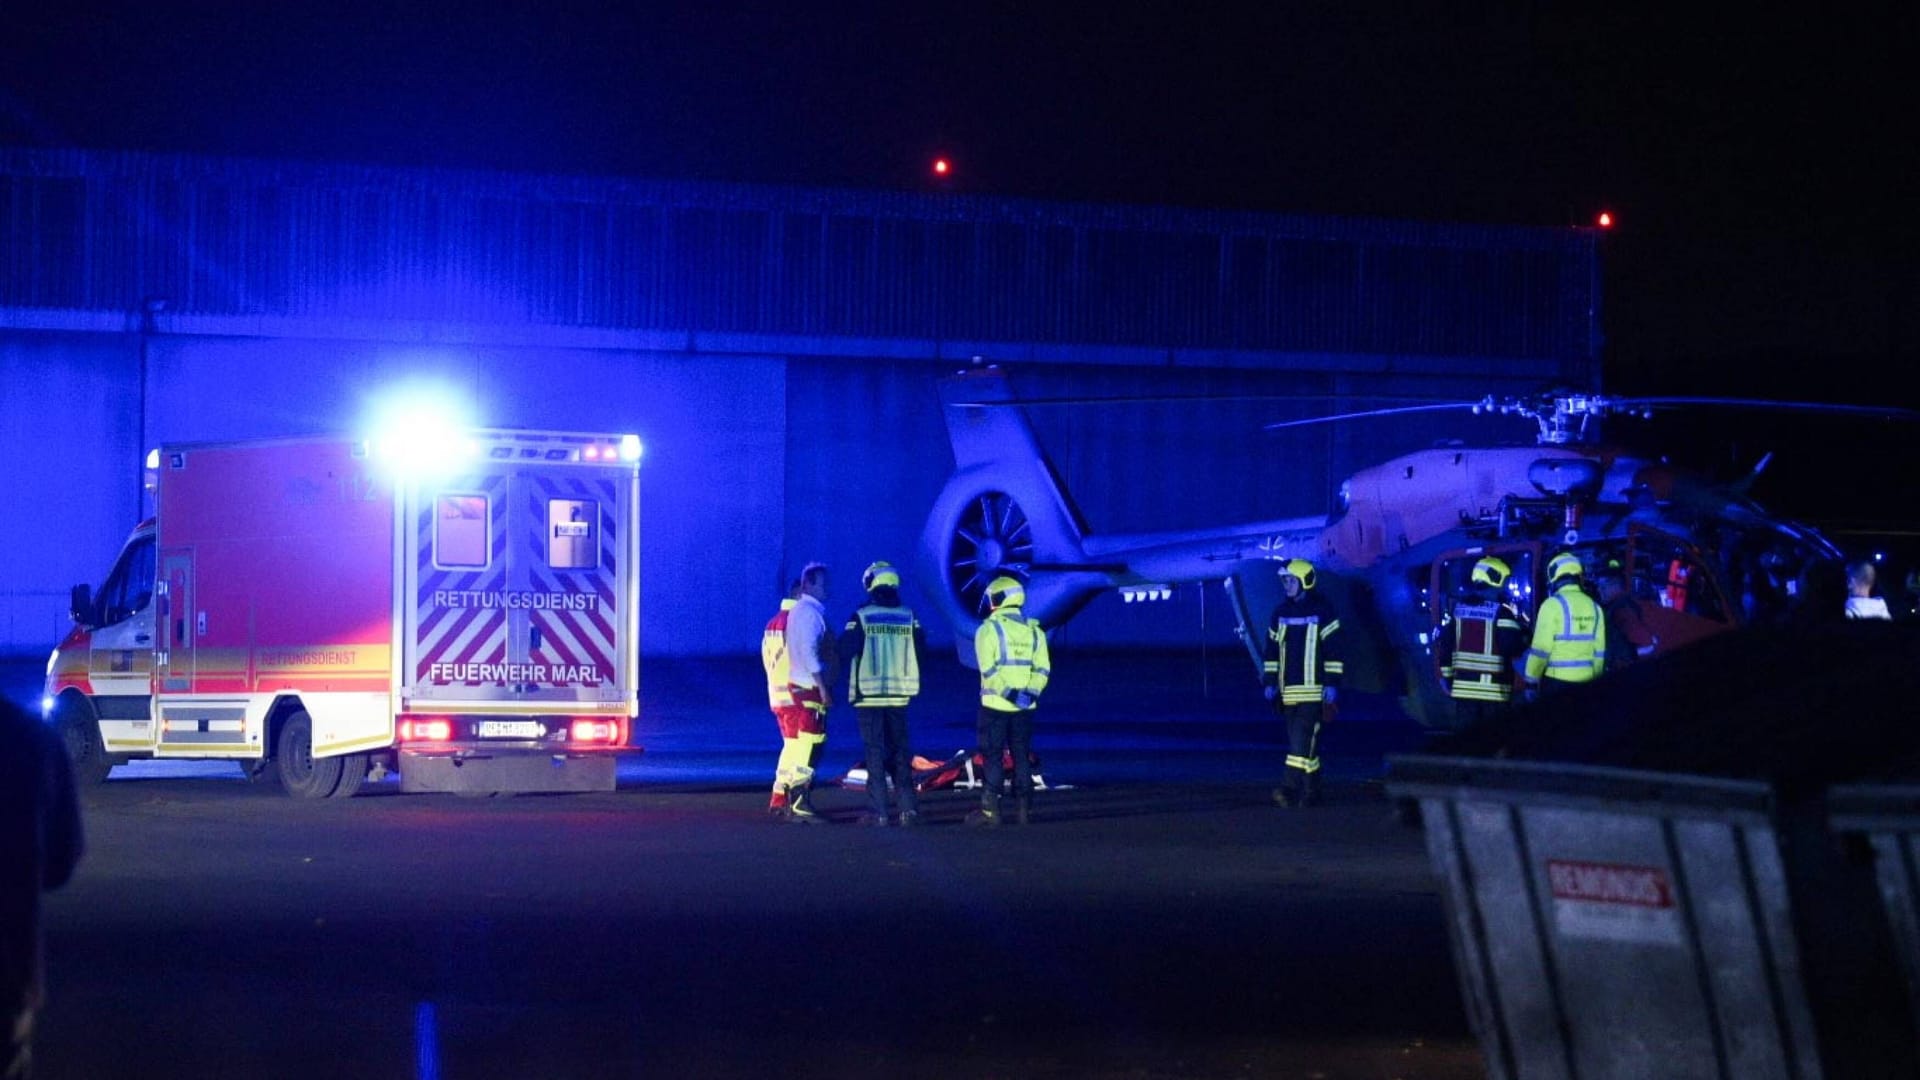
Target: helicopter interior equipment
{"x": 1401, "y": 539}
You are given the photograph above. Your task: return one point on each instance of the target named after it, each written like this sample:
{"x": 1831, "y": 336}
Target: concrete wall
{"x": 70, "y": 485}
{"x": 755, "y": 464}
{"x": 712, "y": 482}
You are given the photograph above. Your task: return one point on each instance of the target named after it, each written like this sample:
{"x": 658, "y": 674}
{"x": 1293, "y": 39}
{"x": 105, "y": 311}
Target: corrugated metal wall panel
{"x": 217, "y": 237}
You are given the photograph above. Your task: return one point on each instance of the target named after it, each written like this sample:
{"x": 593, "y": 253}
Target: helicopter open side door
{"x": 1451, "y": 576}
{"x": 1679, "y": 591}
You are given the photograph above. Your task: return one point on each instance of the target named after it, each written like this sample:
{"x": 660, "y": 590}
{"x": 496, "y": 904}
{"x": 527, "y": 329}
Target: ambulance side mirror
{"x": 81, "y": 605}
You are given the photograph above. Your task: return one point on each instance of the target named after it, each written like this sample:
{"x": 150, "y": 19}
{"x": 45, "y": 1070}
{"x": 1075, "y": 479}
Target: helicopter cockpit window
{"x": 1672, "y": 576}
{"x": 1764, "y": 572}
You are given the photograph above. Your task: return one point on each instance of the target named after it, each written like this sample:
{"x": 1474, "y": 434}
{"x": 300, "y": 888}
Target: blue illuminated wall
{"x": 776, "y": 349}
{"x": 69, "y": 436}
{"x": 712, "y": 480}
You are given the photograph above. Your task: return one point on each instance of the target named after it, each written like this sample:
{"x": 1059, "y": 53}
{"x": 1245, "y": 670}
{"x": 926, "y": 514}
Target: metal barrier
{"x": 1888, "y": 816}
{"x": 1616, "y": 923}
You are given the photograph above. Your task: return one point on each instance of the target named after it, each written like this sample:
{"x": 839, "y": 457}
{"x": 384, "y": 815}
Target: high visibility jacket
{"x": 1011, "y": 650}
{"x": 1677, "y": 574}
{"x": 884, "y": 641}
{"x": 1479, "y": 641}
{"x": 773, "y": 657}
{"x": 1302, "y": 655}
{"x": 1569, "y": 638}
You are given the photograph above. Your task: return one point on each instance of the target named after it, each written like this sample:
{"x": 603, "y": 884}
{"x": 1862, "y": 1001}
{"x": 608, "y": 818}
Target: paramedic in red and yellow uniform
{"x": 791, "y": 651}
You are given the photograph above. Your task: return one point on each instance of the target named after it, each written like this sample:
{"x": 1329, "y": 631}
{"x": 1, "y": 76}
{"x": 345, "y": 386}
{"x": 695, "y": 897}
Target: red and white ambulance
{"x": 325, "y": 611}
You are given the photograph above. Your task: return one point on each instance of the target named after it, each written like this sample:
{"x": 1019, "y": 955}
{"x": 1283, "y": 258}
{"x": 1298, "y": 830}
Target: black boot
{"x": 800, "y": 806}
{"x": 989, "y": 812}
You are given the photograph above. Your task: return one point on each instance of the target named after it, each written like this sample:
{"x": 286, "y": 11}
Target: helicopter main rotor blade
{"x": 1476, "y": 406}
{"x": 1178, "y": 399}
{"x": 1892, "y": 412}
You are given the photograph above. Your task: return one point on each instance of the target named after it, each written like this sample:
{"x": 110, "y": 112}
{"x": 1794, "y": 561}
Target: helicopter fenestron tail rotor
{"x": 993, "y": 536}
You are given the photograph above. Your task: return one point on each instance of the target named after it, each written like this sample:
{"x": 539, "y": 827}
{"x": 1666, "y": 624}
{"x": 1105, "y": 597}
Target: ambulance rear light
{"x": 416, "y": 729}
{"x": 628, "y": 450}
{"x": 594, "y": 729}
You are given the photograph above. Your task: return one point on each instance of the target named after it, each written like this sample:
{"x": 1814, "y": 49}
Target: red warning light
{"x": 1605, "y": 220}
{"x": 941, "y": 166}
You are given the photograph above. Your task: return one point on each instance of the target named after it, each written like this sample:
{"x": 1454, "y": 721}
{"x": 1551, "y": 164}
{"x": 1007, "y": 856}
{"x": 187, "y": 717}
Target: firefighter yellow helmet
{"x": 1491, "y": 571}
{"x": 1564, "y": 565}
{"x": 881, "y": 575}
{"x": 1005, "y": 591}
{"x": 1299, "y": 568}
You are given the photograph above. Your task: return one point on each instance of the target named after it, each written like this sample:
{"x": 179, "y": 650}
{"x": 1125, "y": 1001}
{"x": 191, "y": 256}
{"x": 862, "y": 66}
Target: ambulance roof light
{"x": 153, "y": 458}
{"x": 421, "y": 437}
{"x": 630, "y": 448}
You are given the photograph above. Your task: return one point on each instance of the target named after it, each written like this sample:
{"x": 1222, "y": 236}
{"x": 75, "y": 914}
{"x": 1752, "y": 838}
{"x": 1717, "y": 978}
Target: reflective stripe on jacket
{"x": 1302, "y": 658}
{"x": 1011, "y": 650}
{"x": 1569, "y": 638}
{"x": 773, "y": 657}
{"x": 1477, "y": 644}
{"x": 886, "y": 665}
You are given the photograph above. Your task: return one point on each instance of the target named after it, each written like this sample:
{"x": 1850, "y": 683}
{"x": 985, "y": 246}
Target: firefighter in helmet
{"x": 1011, "y": 650}
{"x": 1479, "y": 644}
{"x": 1569, "y": 631}
{"x": 1302, "y": 670}
{"x": 883, "y": 641}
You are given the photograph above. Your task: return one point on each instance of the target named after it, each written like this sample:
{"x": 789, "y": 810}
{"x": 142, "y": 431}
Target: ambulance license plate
{"x": 512, "y": 729}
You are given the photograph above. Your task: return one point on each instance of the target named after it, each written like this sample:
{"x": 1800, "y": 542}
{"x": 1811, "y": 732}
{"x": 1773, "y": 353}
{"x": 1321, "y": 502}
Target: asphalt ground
{"x": 1160, "y": 918}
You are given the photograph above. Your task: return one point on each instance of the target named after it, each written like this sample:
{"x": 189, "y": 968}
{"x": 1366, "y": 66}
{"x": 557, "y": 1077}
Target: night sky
{"x": 1759, "y": 166}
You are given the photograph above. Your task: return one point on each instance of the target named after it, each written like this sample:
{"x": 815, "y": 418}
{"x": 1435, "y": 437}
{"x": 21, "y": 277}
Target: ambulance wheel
{"x": 353, "y": 773}
{"x": 81, "y": 734}
{"x": 300, "y": 773}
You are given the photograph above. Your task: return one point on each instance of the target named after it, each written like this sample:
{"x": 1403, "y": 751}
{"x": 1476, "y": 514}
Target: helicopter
{"x": 1700, "y": 556}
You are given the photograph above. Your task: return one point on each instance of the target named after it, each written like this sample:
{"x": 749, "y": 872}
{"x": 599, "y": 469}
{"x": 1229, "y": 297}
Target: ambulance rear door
{"x": 521, "y": 581}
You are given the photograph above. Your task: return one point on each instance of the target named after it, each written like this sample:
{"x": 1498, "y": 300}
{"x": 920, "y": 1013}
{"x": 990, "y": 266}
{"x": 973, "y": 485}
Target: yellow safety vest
{"x": 1569, "y": 638}
{"x": 1011, "y": 650}
{"x": 887, "y": 671}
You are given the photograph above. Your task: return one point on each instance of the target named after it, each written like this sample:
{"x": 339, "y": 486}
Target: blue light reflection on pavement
{"x": 1108, "y": 718}
{"x": 426, "y": 1042}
